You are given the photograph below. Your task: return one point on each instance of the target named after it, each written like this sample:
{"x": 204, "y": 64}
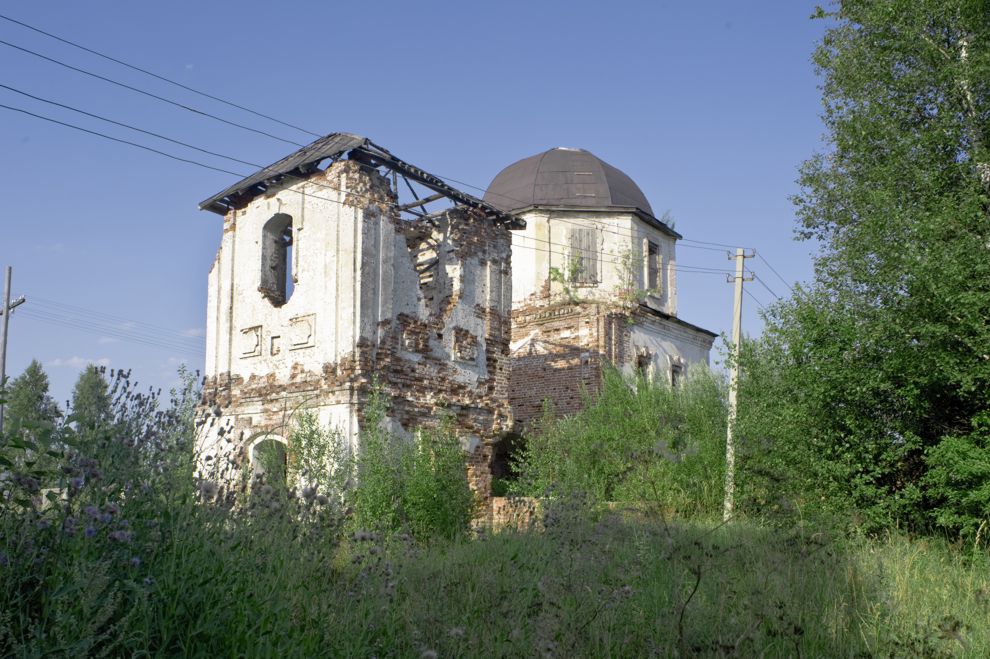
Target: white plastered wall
{"x": 545, "y": 244}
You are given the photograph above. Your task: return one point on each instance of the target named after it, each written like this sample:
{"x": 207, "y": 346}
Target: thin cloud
{"x": 194, "y": 332}
{"x": 78, "y": 363}
{"x": 106, "y": 340}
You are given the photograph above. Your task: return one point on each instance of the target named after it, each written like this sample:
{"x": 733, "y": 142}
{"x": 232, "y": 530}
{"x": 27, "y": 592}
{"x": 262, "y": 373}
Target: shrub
{"x": 410, "y": 486}
{"x": 638, "y": 440}
{"x": 958, "y": 482}
{"x": 436, "y": 495}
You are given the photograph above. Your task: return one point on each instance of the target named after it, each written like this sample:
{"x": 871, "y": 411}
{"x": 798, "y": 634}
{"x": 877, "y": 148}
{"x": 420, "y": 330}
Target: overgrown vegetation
{"x": 637, "y": 441}
{"x": 112, "y": 546}
{"x": 419, "y": 487}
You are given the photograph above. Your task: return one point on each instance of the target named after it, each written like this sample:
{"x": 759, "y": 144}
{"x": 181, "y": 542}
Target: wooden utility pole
{"x": 730, "y": 448}
{"x": 5, "y": 312}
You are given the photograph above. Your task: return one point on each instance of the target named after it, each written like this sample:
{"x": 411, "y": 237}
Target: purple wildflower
{"x": 4, "y": 561}
{"x": 90, "y": 531}
{"x": 135, "y": 561}
{"x": 92, "y": 511}
{"x": 111, "y": 508}
{"x": 43, "y": 524}
{"x": 77, "y": 482}
{"x": 106, "y": 518}
{"x": 121, "y": 536}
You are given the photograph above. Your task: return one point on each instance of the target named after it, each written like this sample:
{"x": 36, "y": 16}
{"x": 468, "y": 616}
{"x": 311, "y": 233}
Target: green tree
{"x": 28, "y": 400}
{"x": 91, "y": 404}
{"x": 876, "y": 376}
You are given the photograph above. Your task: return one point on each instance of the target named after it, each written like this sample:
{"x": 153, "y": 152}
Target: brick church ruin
{"x": 326, "y": 282}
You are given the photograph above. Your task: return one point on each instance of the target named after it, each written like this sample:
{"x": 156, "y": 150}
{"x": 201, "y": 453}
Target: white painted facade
{"x": 543, "y": 259}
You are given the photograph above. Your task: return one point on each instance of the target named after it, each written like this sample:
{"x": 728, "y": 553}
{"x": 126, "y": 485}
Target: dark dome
{"x": 564, "y": 177}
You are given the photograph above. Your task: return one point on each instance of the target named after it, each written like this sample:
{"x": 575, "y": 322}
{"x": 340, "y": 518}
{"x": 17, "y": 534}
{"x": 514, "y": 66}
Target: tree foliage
{"x": 28, "y": 400}
{"x": 91, "y": 403}
{"x": 873, "y": 381}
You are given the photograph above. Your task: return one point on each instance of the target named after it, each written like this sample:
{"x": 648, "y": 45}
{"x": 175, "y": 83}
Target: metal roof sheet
{"x": 565, "y": 177}
{"x": 329, "y": 146}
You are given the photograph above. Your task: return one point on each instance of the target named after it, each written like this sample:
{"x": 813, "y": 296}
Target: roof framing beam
{"x": 302, "y": 163}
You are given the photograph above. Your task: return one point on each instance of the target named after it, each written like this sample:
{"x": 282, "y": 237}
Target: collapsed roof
{"x": 305, "y": 161}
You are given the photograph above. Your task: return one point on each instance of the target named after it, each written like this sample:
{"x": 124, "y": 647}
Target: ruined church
{"x": 342, "y": 267}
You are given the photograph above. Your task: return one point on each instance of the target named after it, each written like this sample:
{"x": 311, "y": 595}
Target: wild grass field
{"x": 111, "y": 547}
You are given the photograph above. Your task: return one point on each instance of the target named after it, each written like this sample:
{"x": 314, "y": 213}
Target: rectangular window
{"x": 676, "y": 374}
{"x": 583, "y": 266}
{"x": 652, "y": 266}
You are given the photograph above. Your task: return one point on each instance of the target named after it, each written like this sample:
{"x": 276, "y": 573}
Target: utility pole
{"x": 5, "y": 312}
{"x": 730, "y": 448}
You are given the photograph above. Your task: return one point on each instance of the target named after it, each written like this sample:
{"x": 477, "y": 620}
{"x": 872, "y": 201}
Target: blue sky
{"x": 709, "y": 106}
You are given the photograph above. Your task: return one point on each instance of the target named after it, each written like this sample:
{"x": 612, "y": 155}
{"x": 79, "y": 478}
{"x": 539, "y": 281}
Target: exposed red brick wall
{"x": 562, "y": 361}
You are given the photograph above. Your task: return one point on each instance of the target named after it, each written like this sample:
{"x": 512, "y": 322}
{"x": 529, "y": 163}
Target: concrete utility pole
{"x": 730, "y": 448}
{"x": 5, "y": 312}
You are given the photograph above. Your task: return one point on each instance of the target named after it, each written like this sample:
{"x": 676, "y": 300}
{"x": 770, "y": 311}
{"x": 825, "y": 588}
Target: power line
{"x": 149, "y": 94}
{"x": 702, "y": 242}
{"x": 172, "y": 156}
{"x": 98, "y": 316}
{"x": 764, "y": 284}
{"x": 758, "y": 303}
{"x": 174, "y": 141}
{"x": 774, "y": 271}
{"x": 122, "y": 141}
{"x": 99, "y": 330}
{"x": 710, "y": 249}
{"x": 201, "y": 93}
{"x": 682, "y": 268}
{"x": 159, "y": 77}
{"x": 684, "y": 242}
{"x": 116, "y": 330}
{"x": 134, "y": 128}
{"x": 202, "y": 150}
{"x": 181, "y": 159}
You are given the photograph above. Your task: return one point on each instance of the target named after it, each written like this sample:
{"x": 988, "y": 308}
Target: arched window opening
{"x": 644, "y": 364}
{"x": 276, "y": 259}
{"x": 269, "y": 462}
